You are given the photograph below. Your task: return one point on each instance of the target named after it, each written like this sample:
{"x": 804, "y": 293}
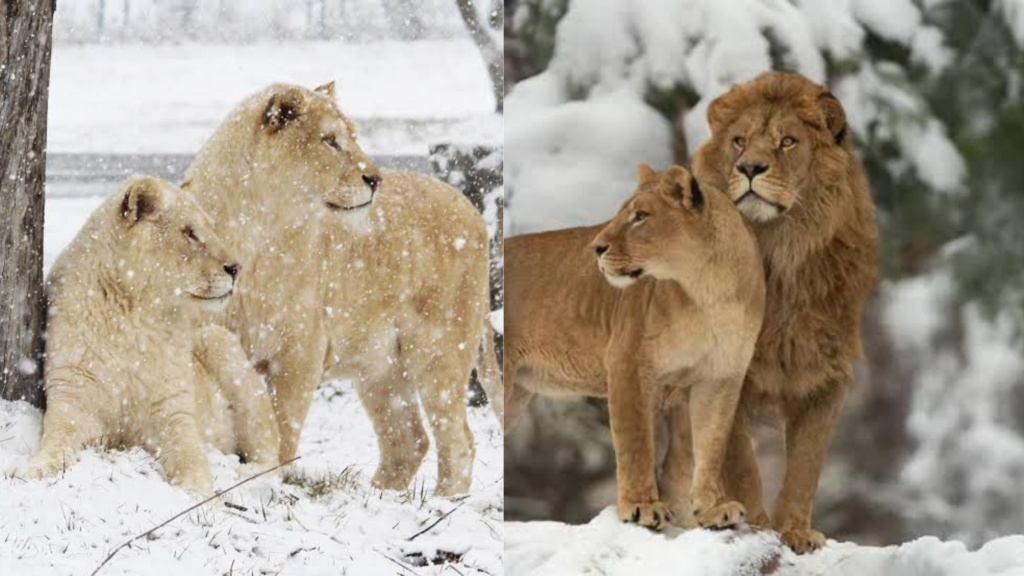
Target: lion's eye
{"x": 739, "y": 142}
{"x": 332, "y": 142}
{"x": 640, "y": 216}
{"x": 190, "y": 234}
{"x": 788, "y": 142}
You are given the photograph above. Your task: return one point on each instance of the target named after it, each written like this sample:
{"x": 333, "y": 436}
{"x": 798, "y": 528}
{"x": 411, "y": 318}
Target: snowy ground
{"x": 168, "y": 99}
{"x": 327, "y": 521}
{"x": 606, "y": 546}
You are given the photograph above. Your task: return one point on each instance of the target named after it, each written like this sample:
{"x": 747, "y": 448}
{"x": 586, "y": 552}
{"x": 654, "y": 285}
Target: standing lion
{"x": 353, "y": 272}
{"x": 781, "y": 147}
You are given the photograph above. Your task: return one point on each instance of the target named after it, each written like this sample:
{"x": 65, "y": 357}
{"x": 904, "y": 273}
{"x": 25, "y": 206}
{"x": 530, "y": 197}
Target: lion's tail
{"x": 488, "y": 373}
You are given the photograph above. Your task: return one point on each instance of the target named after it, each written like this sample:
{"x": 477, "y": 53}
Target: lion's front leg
{"x": 712, "y": 409}
{"x": 810, "y": 423}
{"x": 293, "y": 376}
{"x": 631, "y": 407}
{"x": 677, "y": 468}
{"x": 223, "y": 363}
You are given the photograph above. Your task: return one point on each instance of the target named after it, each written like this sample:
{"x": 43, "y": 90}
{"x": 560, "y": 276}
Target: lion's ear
{"x": 721, "y": 109}
{"x": 142, "y": 198}
{"x": 644, "y": 173}
{"x": 684, "y": 189}
{"x": 326, "y": 89}
{"x": 282, "y": 108}
{"x": 835, "y": 116}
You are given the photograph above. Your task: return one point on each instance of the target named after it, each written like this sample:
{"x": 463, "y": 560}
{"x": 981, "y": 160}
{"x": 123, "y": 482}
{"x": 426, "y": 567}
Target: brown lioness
{"x": 781, "y": 147}
{"x": 672, "y": 308}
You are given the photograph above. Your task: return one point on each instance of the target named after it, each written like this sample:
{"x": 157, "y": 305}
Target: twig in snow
{"x": 186, "y": 511}
{"x": 438, "y": 521}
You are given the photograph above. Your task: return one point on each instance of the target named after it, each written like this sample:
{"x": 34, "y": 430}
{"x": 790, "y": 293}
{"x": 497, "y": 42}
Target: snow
{"x": 606, "y": 546}
{"x": 575, "y": 163}
{"x": 67, "y": 525}
{"x": 146, "y": 99}
{"x": 963, "y": 411}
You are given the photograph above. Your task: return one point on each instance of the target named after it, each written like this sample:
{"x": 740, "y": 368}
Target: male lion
{"x": 127, "y": 362}
{"x": 672, "y": 308}
{"x": 376, "y": 275}
{"x": 781, "y": 147}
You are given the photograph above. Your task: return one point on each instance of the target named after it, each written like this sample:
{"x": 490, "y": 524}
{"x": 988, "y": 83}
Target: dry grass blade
{"x": 184, "y": 512}
{"x": 436, "y": 522}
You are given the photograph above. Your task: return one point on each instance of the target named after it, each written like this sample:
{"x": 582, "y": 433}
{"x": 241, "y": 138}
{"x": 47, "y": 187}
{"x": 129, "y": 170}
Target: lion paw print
{"x": 653, "y": 515}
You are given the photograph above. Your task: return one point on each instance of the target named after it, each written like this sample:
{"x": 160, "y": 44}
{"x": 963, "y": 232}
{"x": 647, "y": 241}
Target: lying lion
{"x": 376, "y": 275}
{"x": 781, "y": 147}
{"x": 127, "y": 363}
{"x": 672, "y": 308}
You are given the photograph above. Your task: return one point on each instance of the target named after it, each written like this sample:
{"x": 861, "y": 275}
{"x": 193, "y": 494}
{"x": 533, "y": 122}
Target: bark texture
{"x": 25, "y": 44}
{"x": 493, "y": 55}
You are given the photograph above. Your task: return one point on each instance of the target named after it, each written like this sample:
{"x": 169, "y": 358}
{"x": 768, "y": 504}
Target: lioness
{"x": 672, "y": 308}
{"x": 352, "y": 271}
{"x": 781, "y": 147}
{"x": 127, "y": 362}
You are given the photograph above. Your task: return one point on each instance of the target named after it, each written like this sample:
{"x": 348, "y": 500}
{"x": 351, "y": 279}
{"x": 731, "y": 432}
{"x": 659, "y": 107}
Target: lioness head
{"x": 169, "y": 248}
{"x": 767, "y": 137}
{"x": 655, "y": 230}
{"x": 307, "y": 149}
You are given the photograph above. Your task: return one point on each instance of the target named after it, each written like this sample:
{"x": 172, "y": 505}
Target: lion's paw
{"x": 803, "y": 541}
{"x": 653, "y": 515}
{"x": 721, "y": 516}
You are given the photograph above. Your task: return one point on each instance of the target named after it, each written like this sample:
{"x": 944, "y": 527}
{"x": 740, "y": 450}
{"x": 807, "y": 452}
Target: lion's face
{"x": 655, "y": 231}
{"x": 767, "y": 137}
{"x": 307, "y": 150}
{"x": 172, "y": 251}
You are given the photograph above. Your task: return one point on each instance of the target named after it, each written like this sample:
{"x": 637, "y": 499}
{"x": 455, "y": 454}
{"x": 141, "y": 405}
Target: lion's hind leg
{"x": 67, "y": 429}
{"x": 391, "y": 403}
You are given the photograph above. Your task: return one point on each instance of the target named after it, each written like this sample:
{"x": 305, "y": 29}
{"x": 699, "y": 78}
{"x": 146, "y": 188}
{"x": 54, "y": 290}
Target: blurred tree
{"x": 25, "y": 43}
{"x": 485, "y": 20}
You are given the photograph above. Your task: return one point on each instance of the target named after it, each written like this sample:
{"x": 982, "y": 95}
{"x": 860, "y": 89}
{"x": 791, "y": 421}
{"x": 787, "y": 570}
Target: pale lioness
{"x": 781, "y": 147}
{"x": 671, "y": 306}
{"x": 376, "y": 275}
{"x": 128, "y": 362}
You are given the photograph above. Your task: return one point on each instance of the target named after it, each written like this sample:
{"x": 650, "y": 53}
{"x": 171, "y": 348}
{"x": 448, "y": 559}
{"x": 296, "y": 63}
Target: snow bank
{"x": 606, "y": 546}
{"x": 325, "y": 520}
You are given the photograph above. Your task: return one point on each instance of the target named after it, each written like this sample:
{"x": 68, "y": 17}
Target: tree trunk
{"x": 25, "y": 42}
{"x": 493, "y": 55}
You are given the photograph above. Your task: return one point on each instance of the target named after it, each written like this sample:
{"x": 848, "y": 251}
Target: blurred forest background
{"x": 932, "y": 438}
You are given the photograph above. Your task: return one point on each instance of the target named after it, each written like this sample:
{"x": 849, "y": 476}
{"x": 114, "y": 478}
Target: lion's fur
{"x": 687, "y": 326}
{"x": 128, "y": 362}
{"x": 819, "y": 253}
{"x": 394, "y": 295}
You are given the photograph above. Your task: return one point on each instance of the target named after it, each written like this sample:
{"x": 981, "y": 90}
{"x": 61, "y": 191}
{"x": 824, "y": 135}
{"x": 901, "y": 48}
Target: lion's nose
{"x": 751, "y": 169}
{"x": 601, "y": 249}
{"x": 372, "y": 181}
{"x": 233, "y": 270}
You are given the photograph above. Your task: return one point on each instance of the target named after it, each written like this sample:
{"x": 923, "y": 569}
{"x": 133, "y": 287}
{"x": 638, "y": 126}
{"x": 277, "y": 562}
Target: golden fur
{"x": 813, "y": 216}
{"x": 672, "y": 308}
{"x": 127, "y": 361}
{"x": 376, "y": 275}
